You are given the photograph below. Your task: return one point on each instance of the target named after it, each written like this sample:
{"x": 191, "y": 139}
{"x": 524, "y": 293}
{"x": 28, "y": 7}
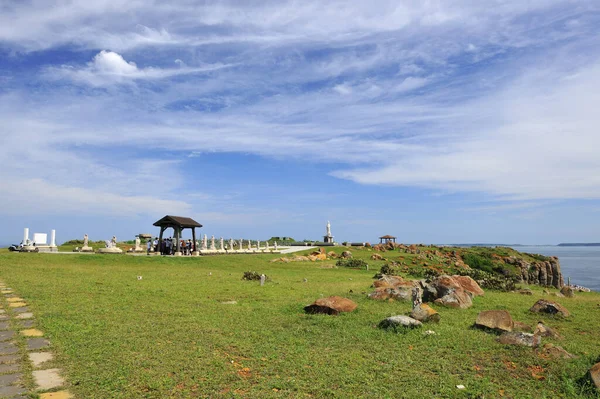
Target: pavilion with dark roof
{"x": 387, "y": 238}
{"x": 178, "y": 223}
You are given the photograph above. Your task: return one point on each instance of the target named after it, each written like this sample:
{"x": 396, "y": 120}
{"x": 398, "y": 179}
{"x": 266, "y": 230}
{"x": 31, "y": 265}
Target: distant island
{"x": 579, "y": 244}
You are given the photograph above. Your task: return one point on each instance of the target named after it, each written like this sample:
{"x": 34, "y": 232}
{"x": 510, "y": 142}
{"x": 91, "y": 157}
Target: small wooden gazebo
{"x": 177, "y": 223}
{"x": 387, "y": 238}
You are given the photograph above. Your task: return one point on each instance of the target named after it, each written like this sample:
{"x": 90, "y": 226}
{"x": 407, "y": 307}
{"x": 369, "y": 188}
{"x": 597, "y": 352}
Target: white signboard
{"x": 40, "y": 238}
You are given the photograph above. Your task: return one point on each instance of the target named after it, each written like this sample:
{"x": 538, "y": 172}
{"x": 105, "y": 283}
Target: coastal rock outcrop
{"x": 541, "y": 272}
{"x": 550, "y": 307}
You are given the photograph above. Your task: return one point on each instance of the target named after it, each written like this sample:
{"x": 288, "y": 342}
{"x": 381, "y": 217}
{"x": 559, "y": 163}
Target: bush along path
{"x": 25, "y": 354}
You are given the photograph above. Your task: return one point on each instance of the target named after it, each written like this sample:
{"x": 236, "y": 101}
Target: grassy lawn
{"x": 170, "y": 336}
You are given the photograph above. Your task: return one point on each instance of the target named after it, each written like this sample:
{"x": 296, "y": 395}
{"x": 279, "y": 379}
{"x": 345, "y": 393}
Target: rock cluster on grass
{"x": 567, "y": 291}
{"x": 393, "y": 288}
{"x": 544, "y": 331}
{"x": 251, "y": 276}
{"x": 452, "y": 291}
{"x": 332, "y": 305}
{"x": 550, "y": 307}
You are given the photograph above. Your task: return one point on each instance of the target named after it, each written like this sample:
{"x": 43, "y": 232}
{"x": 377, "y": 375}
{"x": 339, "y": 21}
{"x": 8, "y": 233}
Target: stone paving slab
{"x": 21, "y": 310}
{"x": 4, "y": 325}
{"x": 37, "y": 358}
{"x": 24, "y": 316}
{"x": 2, "y": 311}
{"x": 57, "y": 395}
{"x": 10, "y": 379}
{"x": 37, "y": 343}
{"x": 9, "y": 368}
{"x": 32, "y": 332}
{"x": 8, "y": 348}
{"x": 5, "y": 359}
{"x": 6, "y": 335}
{"x": 27, "y": 323}
{"x": 48, "y": 379}
{"x": 4, "y": 317}
{"x": 16, "y": 304}
{"x": 11, "y": 390}
{"x": 15, "y": 299}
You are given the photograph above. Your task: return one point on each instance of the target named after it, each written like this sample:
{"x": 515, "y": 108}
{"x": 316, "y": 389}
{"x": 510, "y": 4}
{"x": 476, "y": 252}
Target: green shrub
{"x": 352, "y": 263}
{"x": 391, "y": 269}
{"x": 480, "y": 262}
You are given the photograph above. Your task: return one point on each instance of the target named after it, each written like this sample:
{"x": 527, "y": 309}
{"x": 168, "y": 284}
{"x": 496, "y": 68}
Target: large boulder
{"x": 595, "y": 375}
{"x": 346, "y": 255}
{"x": 332, "y": 305}
{"x": 452, "y": 291}
{"x": 520, "y": 338}
{"x": 456, "y": 299}
{"x": 567, "y": 291}
{"x": 423, "y": 312}
{"x": 495, "y": 320}
{"x": 469, "y": 285}
{"x": 399, "y": 322}
{"x": 550, "y": 307}
{"x": 393, "y": 288}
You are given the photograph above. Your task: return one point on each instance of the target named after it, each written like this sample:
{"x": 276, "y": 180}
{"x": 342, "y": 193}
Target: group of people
{"x": 168, "y": 246}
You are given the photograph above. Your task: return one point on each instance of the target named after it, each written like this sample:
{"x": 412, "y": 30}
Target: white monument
{"x": 138, "y": 245}
{"x": 231, "y": 244}
{"x": 328, "y": 238}
{"x": 111, "y": 247}
{"x": 204, "y": 243}
{"x": 241, "y": 244}
{"x": 267, "y": 245}
{"x": 258, "y": 245}
{"x": 86, "y": 247}
{"x": 221, "y": 247}
{"x": 212, "y": 243}
{"x": 249, "y": 245}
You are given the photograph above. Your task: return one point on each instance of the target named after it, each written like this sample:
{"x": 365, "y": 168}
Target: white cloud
{"x": 108, "y": 67}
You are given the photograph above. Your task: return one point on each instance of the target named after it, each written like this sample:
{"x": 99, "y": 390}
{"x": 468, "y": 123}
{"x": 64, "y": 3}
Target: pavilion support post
{"x": 160, "y": 241}
{"x": 178, "y": 237}
{"x": 195, "y": 253}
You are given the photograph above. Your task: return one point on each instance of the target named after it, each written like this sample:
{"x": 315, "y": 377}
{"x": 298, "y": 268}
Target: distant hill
{"x": 579, "y": 244}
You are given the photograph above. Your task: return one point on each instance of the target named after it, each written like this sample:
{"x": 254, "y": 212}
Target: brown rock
{"x": 321, "y": 256}
{"x": 525, "y": 291}
{"x": 456, "y": 299}
{"x": 520, "y": 338}
{"x": 545, "y": 331}
{"x": 495, "y": 319}
{"x": 332, "y": 305}
{"x": 550, "y": 307}
{"x": 520, "y": 326}
{"x": 469, "y": 285}
{"x": 447, "y": 291}
{"x": 332, "y": 255}
{"x": 555, "y": 352}
{"x": 423, "y": 312}
{"x": 346, "y": 254}
{"x": 567, "y": 291}
{"x": 379, "y": 247}
{"x": 595, "y": 375}
{"x": 376, "y": 257}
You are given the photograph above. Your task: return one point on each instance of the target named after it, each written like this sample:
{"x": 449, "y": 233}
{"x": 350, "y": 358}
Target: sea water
{"x": 581, "y": 264}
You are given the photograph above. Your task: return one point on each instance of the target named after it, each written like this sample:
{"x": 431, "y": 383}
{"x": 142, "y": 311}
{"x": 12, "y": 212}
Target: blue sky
{"x": 436, "y": 121}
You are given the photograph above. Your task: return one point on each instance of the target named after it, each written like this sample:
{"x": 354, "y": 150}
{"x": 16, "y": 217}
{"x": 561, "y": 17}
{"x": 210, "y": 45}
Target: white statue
{"x": 275, "y": 243}
{"x": 113, "y": 242}
{"x": 258, "y": 245}
{"x": 231, "y": 244}
{"x": 85, "y": 240}
{"x": 241, "y": 244}
{"x": 328, "y": 229}
{"x": 221, "y": 244}
{"x": 137, "y": 244}
{"x": 249, "y": 244}
{"x": 204, "y": 243}
{"x": 267, "y": 245}
{"x": 212, "y": 243}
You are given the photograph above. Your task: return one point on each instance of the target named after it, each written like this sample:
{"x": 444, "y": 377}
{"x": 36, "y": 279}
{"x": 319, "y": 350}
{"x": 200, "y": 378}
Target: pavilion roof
{"x": 387, "y": 236}
{"x": 179, "y": 221}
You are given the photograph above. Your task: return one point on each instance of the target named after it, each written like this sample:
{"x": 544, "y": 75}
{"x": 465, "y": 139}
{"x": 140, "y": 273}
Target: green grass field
{"x": 170, "y": 336}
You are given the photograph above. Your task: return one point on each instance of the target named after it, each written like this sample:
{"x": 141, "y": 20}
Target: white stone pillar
{"x": 52, "y": 238}
{"x": 25, "y": 235}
